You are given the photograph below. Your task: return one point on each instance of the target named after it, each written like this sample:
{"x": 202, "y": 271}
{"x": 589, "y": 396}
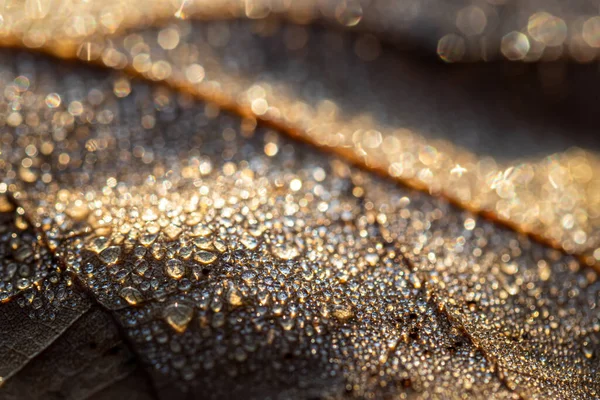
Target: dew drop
{"x": 510, "y": 268}
{"x": 53, "y": 100}
{"x": 201, "y": 230}
{"x": 286, "y": 251}
{"x": 203, "y": 243}
{"x": 248, "y": 276}
{"x": 110, "y": 255}
{"x": 172, "y": 231}
{"x": 234, "y": 297}
{"x": 23, "y": 283}
{"x": 249, "y": 242}
{"x": 148, "y": 239}
{"x": 131, "y": 295}
{"x": 205, "y": 257}
{"x": 178, "y": 316}
{"x": 372, "y": 259}
{"x": 343, "y": 312}
{"x": 588, "y": 352}
{"x": 174, "y": 269}
{"x": 220, "y": 246}
{"x": 99, "y": 244}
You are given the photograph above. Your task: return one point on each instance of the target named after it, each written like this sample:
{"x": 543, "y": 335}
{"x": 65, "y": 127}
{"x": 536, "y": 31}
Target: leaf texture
{"x": 156, "y": 246}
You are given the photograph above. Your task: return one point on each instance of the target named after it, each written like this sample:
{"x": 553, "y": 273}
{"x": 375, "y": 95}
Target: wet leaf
{"x": 252, "y": 226}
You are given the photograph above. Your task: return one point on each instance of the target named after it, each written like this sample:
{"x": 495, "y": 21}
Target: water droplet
{"x": 172, "y": 231}
{"x": 248, "y": 276}
{"x": 99, "y": 244}
{"x": 349, "y": 13}
{"x": 175, "y": 269}
{"x": 205, "y": 257}
{"x": 201, "y": 230}
{"x": 510, "y": 268}
{"x": 23, "y": 253}
{"x": 343, "y": 312}
{"x": 23, "y": 283}
{"x": 78, "y": 211}
{"x": 178, "y": 316}
{"x": 414, "y": 279}
{"x": 588, "y": 352}
{"x": 203, "y": 243}
{"x": 249, "y": 242}
{"x": 110, "y": 255}
{"x": 234, "y": 297}
{"x": 53, "y": 100}
{"x": 372, "y": 259}
{"x": 286, "y": 251}
{"x": 131, "y": 295}
{"x": 148, "y": 239}
{"x": 220, "y": 246}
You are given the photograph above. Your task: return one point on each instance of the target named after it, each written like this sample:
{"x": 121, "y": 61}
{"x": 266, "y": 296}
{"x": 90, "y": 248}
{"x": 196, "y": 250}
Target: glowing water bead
{"x": 168, "y": 38}
{"x": 205, "y": 257}
{"x": 515, "y": 46}
{"x": 131, "y": 295}
{"x": 451, "y": 48}
{"x": 53, "y": 100}
{"x": 122, "y": 87}
{"x": 458, "y": 171}
{"x": 22, "y": 83}
{"x": 349, "y": 13}
{"x": 286, "y": 251}
{"x": 547, "y": 29}
{"x": 257, "y": 9}
{"x": 174, "y": 268}
{"x": 178, "y": 316}
{"x": 110, "y": 255}
{"x": 591, "y": 32}
{"x": 471, "y": 20}
{"x": 195, "y": 73}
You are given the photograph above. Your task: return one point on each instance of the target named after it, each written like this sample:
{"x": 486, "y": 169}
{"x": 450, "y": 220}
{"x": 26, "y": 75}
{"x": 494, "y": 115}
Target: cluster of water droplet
{"x": 222, "y": 257}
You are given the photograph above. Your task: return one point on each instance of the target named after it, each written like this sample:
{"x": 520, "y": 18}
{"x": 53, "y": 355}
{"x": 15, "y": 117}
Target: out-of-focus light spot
{"x": 195, "y": 73}
{"x": 122, "y": 88}
{"x": 295, "y": 185}
{"x": 428, "y": 155}
{"x": 471, "y": 21}
{"x": 470, "y": 224}
{"x": 349, "y": 13}
{"x": 22, "y": 83}
{"x": 548, "y": 29}
{"x": 515, "y": 46}
{"x": 580, "y": 50}
{"x": 142, "y": 62}
{"x": 53, "y": 100}
{"x": 458, "y": 171}
{"x": 259, "y": 106}
{"x": 257, "y": 9}
{"x": 111, "y": 18}
{"x": 161, "y": 70}
{"x": 180, "y": 13}
{"x": 591, "y": 32}
{"x": 271, "y": 149}
{"x": 451, "y": 48}
{"x": 168, "y": 38}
